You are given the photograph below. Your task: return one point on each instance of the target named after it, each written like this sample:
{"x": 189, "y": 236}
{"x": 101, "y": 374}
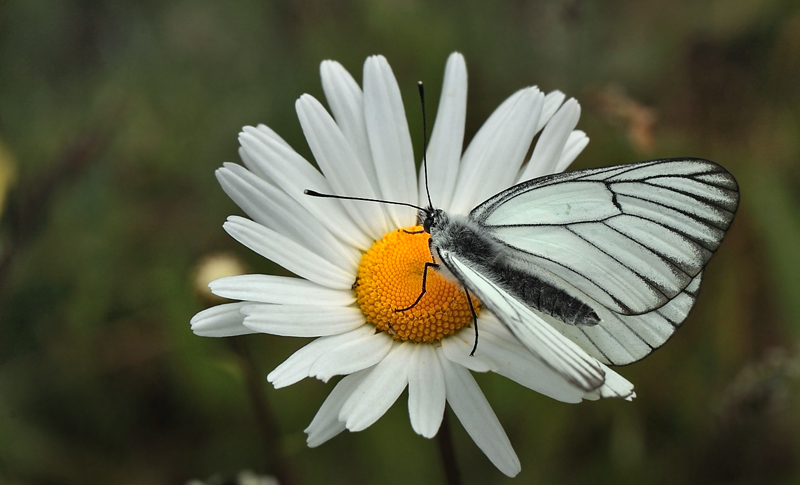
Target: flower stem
{"x": 446, "y": 450}
{"x": 277, "y": 463}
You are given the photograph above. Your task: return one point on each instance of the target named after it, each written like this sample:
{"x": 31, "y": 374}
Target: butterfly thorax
{"x": 470, "y": 242}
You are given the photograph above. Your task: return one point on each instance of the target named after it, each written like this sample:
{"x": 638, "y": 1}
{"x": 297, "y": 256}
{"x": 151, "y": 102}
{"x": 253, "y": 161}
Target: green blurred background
{"x": 114, "y": 115}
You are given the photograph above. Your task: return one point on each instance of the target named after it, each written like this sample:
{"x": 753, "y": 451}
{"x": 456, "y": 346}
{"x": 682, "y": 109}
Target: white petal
{"x": 426, "y": 391}
{"x": 341, "y": 167}
{"x": 476, "y": 415}
{"x": 459, "y": 347}
{"x": 363, "y": 348}
{"x": 551, "y": 143}
{"x": 275, "y": 209}
{"x": 326, "y": 424}
{"x": 295, "y": 368}
{"x": 298, "y": 365}
{"x": 552, "y": 101}
{"x": 346, "y": 102}
{"x": 576, "y": 142}
{"x": 273, "y": 160}
{"x": 271, "y": 134}
{"x": 447, "y": 138}
{"x": 495, "y": 154}
{"x": 220, "y": 321}
{"x": 285, "y": 252}
{"x": 389, "y": 139}
{"x": 379, "y": 390}
{"x": 284, "y": 290}
{"x": 302, "y": 320}
{"x": 251, "y": 163}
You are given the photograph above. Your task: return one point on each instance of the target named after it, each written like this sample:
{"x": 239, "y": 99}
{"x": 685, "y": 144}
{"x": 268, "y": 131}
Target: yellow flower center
{"x": 390, "y": 279}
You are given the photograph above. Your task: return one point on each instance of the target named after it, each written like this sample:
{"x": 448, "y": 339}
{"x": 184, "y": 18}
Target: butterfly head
{"x": 430, "y": 218}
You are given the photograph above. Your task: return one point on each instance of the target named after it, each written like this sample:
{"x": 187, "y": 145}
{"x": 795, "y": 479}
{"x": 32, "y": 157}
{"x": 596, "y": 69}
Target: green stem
{"x": 447, "y": 452}
{"x": 278, "y": 464}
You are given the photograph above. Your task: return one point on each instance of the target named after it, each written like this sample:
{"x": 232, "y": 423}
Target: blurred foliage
{"x": 7, "y": 170}
{"x": 118, "y": 112}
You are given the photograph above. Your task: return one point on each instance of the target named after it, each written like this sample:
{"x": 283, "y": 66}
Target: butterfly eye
{"x": 427, "y": 223}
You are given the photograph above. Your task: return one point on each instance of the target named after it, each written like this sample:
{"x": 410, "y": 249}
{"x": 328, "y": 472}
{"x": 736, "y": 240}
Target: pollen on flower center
{"x": 390, "y": 279}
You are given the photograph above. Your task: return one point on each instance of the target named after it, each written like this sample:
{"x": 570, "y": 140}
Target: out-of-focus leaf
{"x": 776, "y": 212}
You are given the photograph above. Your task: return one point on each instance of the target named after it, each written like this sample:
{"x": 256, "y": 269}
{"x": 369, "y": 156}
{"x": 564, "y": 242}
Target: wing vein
{"x": 659, "y": 256}
{"x": 691, "y": 195}
{"x": 649, "y": 282}
{"x": 694, "y": 217}
{"x": 671, "y": 229}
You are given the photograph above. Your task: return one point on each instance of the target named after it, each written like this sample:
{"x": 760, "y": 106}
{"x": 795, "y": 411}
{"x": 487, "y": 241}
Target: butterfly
{"x": 590, "y": 266}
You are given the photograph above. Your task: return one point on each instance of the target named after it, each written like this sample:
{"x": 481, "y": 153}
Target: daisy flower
{"x": 359, "y": 262}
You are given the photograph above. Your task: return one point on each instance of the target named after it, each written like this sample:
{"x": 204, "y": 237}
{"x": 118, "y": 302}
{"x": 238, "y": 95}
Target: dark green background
{"x": 118, "y": 112}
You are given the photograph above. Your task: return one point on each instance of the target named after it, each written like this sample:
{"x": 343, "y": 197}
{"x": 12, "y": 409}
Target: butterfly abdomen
{"x": 545, "y": 298}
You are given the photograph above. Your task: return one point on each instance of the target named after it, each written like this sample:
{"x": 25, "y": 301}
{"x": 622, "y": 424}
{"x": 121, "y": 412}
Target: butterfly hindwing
{"x": 621, "y": 339}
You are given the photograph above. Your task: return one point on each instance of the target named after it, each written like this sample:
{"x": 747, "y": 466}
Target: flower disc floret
{"x": 390, "y": 279}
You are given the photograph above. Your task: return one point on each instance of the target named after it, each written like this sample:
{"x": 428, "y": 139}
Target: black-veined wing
{"x": 622, "y": 339}
{"x": 630, "y": 237}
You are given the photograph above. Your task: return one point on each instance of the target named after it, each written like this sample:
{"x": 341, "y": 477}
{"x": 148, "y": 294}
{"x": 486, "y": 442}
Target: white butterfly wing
{"x": 621, "y": 339}
{"x": 630, "y": 240}
{"x": 629, "y": 237}
{"x": 555, "y": 350}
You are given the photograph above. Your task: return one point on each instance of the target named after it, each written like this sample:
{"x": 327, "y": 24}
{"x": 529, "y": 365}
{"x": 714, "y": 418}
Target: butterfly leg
{"x": 424, "y": 289}
{"x": 474, "y": 320}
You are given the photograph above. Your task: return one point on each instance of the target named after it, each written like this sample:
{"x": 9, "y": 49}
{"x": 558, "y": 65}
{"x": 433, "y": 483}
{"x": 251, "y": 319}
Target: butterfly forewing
{"x": 646, "y": 231}
{"x": 545, "y": 206}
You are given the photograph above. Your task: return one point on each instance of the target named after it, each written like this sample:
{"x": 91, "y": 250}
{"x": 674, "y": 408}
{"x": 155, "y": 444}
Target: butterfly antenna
{"x": 424, "y": 141}
{"x": 314, "y": 193}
